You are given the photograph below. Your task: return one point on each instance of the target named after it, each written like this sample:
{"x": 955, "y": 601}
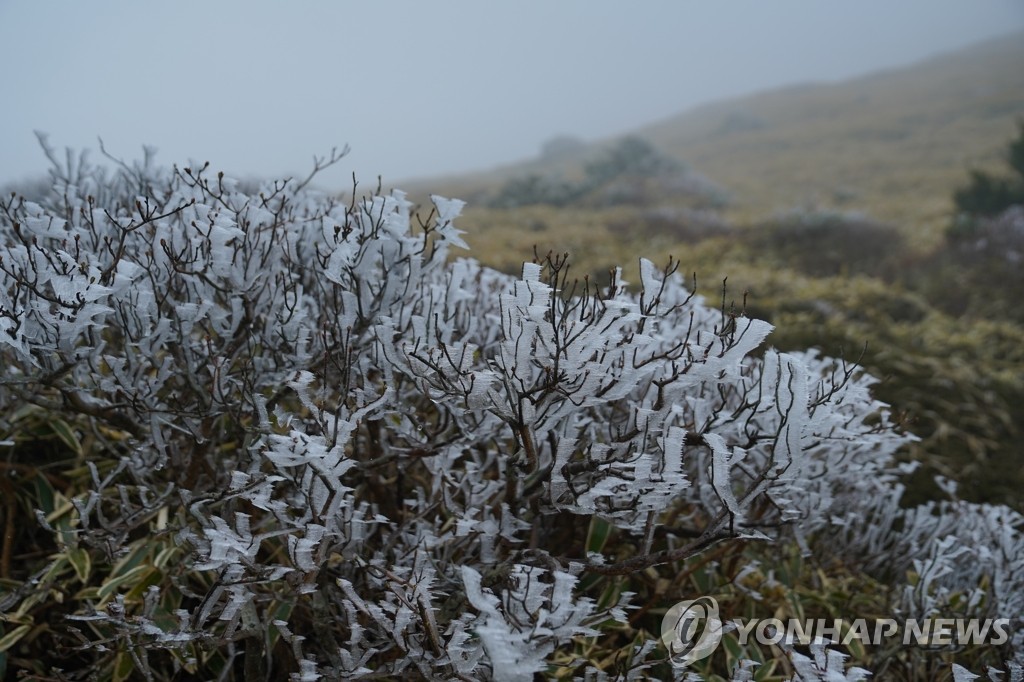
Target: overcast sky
{"x": 422, "y": 88}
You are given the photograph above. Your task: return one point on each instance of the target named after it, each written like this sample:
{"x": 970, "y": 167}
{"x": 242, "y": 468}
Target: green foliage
{"x": 987, "y": 195}
{"x": 757, "y": 581}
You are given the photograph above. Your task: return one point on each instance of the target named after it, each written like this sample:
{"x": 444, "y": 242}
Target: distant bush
{"x": 635, "y": 190}
{"x": 979, "y": 272}
{"x": 531, "y": 190}
{"x": 686, "y": 225}
{"x": 630, "y": 172}
{"x": 1000, "y": 237}
{"x": 826, "y": 243}
{"x": 987, "y": 195}
{"x": 561, "y": 147}
{"x": 632, "y": 156}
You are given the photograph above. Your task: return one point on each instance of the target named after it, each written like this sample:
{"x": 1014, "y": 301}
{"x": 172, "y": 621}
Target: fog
{"x": 422, "y": 89}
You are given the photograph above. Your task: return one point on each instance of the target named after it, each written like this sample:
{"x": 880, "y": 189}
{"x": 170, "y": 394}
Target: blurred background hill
{"x": 895, "y": 143}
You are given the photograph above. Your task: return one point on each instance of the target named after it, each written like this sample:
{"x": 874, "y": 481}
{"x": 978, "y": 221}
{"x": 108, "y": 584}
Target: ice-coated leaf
{"x": 721, "y": 466}
{"x": 481, "y": 600}
{"x": 962, "y": 674}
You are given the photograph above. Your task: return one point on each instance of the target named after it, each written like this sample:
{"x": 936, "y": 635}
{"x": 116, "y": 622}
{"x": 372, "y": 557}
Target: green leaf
{"x": 58, "y": 566}
{"x": 124, "y": 666}
{"x": 82, "y": 563}
{"x": 44, "y": 494}
{"x": 136, "y": 557}
{"x": 610, "y": 595}
{"x": 165, "y": 556}
{"x": 61, "y": 519}
{"x": 153, "y": 578}
{"x": 66, "y": 435}
{"x": 281, "y": 612}
{"x": 12, "y": 637}
{"x": 129, "y": 577}
{"x": 598, "y": 534}
{"x": 734, "y": 651}
{"x": 766, "y": 670}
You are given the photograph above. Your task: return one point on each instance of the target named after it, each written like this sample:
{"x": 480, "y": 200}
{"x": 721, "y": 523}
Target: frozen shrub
{"x": 321, "y": 447}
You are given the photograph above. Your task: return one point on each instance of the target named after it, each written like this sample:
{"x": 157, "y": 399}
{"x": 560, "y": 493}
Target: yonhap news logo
{"x": 691, "y": 630}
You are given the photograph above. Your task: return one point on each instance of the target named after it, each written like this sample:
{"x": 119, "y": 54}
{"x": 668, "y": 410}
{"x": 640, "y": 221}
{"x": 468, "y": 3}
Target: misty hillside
{"x": 835, "y": 227}
{"x": 893, "y": 143}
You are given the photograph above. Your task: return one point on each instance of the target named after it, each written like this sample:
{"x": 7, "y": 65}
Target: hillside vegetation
{"x": 827, "y": 207}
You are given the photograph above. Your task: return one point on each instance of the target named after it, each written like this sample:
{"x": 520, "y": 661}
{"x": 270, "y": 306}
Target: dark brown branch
{"x": 640, "y": 563}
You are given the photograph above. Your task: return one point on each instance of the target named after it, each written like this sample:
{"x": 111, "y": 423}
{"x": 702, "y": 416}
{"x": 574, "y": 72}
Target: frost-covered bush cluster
{"x": 335, "y": 451}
